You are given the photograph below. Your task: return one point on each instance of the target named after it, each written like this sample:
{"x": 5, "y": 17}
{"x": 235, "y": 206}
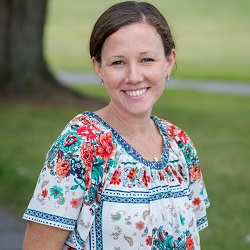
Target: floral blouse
{"x": 108, "y": 196}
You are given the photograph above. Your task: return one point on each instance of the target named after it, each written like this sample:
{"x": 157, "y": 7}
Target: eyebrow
{"x": 148, "y": 52}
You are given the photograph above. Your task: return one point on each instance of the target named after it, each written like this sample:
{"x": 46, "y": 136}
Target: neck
{"x": 138, "y": 124}
{"x": 132, "y": 135}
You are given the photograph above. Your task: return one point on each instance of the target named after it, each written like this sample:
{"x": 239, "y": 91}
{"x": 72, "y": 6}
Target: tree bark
{"x": 23, "y": 69}
{"x": 22, "y": 25}
{"x": 4, "y": 18}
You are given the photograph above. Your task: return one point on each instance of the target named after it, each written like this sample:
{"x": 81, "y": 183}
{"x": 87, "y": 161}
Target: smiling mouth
{"x": 135, "y": 93}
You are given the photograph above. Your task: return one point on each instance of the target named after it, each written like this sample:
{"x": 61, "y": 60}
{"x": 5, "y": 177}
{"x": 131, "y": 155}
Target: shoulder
{"x": 84, "y": 118}
{"x": 86, "y": 122}
{"x": 88, "y": 135}
{"x": 77, "y": 139}
{"x": 176, "y": 133}
{"x": 179, "y": 140}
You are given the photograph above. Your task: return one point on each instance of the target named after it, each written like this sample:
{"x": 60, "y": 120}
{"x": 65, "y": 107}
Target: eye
{"x": 118, "y": 63}
{"x": 147, "y": 60}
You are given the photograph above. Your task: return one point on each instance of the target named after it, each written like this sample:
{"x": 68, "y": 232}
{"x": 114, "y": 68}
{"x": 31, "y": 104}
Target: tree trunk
{"x": 23, "y": 70}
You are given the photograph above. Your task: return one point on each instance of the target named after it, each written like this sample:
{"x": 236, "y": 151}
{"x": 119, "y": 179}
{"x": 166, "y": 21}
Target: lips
{"x": 135, "y": 93}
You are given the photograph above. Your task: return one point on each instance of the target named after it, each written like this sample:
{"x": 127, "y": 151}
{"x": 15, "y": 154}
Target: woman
{"x": 120, "y": 178}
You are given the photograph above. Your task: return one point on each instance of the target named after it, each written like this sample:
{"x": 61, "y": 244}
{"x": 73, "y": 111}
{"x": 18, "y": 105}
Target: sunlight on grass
{"x": 212, "y": 36}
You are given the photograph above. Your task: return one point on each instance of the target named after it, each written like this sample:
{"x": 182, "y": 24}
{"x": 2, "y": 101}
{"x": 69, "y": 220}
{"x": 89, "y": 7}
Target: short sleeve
{"x": 198, "y": 194}
{"x": 74, "y": 176}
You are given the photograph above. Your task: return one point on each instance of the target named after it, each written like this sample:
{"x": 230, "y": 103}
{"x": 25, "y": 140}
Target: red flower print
{"x": 115, "y": 180}
{"x": 189, "y": 243}
{"x": 45, "y": 193}
{"x": 87, "y": 178}
{"x": 86, "y": 131}
{"x": 86, "y": 153}
{"x": 175, "y": 172}
{"x": 105, "y": 148}
{"x": 145, "y": 178}
{"x": 140, "y": 225}
{"x": 196, "y": 172}
{"x": 196, "y": 201}
{"x": 74, "y": 203}
{"x": 167, "y": 170}
{"x": 149, "y": 241}
{"x": 96, "y": 125}
{"x": 70, "y": 140}
{"x": 81, "y": 118}
{"x": 177, "y": 176}
{"x": 162, "y": 178}
{"x": 171, "y": 131}
{"x": 179, "y": 179}
{"x": 132, "y": 174}
{"x": 183, "y": 137}
{"x": 62, "y": 168}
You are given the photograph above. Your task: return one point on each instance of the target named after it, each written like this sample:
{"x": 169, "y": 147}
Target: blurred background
{"x": 48, "y": 43}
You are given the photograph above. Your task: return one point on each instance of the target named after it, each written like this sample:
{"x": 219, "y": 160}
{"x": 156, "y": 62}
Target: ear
{"x": 170, "y": 62}
{"x": 97, "y": 67}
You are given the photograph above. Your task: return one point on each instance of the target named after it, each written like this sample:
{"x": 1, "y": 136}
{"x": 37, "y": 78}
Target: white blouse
{"x": 100, "y": 188}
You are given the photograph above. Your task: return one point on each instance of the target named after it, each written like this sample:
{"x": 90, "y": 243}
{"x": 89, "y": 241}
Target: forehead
{"x": 136, "y": 35}
{"x": 141, "y": 28}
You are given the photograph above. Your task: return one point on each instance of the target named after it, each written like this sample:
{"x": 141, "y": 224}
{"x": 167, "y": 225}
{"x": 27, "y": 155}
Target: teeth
{"x": 136, "y": 93}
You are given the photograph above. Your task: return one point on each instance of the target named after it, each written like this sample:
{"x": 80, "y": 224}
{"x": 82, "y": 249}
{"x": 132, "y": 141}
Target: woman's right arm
{"x": 43, "y": 237}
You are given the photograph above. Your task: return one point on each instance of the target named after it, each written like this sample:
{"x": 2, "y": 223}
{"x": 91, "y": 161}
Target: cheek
{"x": 112, "y": 78}
{"x": 157, "y": 77}
{"x": 158, "y": 73}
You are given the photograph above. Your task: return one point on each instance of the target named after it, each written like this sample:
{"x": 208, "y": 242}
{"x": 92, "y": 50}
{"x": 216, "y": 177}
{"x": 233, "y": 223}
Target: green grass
{"x": 218, "y": 124}
{"x": 212, "y": 36}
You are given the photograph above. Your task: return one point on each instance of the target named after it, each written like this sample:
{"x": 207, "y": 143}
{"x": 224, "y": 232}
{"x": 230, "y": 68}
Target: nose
{"x": 134, "y": 74}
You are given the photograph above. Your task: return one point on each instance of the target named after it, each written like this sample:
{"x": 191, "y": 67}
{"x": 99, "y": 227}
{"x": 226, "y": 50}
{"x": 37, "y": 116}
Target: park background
{"x": 213, "y": 41}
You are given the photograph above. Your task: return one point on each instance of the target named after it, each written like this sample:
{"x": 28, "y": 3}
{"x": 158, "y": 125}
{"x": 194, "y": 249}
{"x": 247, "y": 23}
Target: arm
{"x": 40, "y": 237}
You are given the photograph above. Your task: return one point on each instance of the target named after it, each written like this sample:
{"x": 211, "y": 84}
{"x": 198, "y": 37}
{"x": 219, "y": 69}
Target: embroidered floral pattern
{"x": 140, "y": 225}
{"x": 116, "y": 178}
{"x": 149, "y": 241}
{"x": 105, "y": 147}
{"x": 163, "y": 240}
{"x": 56, "y": 192}
{"x": 45, "y": 193}
{"x": 93, "y": 178}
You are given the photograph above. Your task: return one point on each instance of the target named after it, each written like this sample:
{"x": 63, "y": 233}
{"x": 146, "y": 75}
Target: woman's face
{"x": 134, "y": 68}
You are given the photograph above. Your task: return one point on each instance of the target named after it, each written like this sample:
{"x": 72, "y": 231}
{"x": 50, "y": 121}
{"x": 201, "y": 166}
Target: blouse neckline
{"x": 161, "y": 163}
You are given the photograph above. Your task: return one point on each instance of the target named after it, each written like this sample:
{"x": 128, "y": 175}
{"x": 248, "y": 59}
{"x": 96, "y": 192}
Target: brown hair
{"x": 125, "y": 13}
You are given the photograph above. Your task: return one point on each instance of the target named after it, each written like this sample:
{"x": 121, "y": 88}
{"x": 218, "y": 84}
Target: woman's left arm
{"x": 40, "y": 237}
